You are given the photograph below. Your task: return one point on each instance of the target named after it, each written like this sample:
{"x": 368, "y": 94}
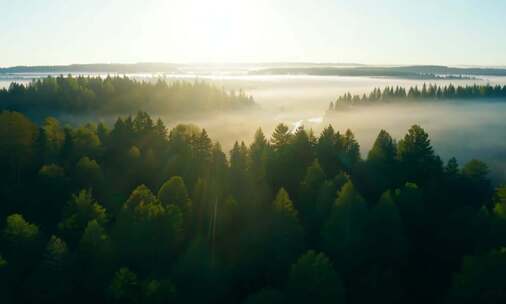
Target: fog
{"x": 464, "y": 129}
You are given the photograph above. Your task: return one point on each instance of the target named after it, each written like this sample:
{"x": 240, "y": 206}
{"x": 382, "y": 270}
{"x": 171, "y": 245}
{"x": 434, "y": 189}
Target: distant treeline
{"x": 426, "y": 92}
{"x": 146, "y": 67}
{"x": 407, "y": 72}
{"x": 117, "y": 95}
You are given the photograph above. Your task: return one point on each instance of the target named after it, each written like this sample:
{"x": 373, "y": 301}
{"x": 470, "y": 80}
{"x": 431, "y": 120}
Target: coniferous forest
{"x": 425, "y": 93}
{"x": 115, "y": 95}
{"x": 252, "y": 152}
{"x": 137, "y": 213}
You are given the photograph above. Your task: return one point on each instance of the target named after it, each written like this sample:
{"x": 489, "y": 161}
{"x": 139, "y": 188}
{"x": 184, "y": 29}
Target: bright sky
{"x": 38, "y": 32}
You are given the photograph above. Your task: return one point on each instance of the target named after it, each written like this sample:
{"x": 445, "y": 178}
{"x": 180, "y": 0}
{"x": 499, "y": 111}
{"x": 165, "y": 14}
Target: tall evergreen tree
{"x": 281, "y": 136}
{"x": 417, "y": 157}
{"x": 313, "y": 279}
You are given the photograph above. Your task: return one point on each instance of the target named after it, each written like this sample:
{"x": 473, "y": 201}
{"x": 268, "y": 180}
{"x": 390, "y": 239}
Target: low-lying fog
{"x": 468, "y": 129}
{"x": 465, "y": 129}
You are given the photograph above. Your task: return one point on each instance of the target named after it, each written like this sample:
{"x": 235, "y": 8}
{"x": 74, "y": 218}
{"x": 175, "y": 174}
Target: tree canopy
{"x": 118, "y": 95}
{"x": 426, "y": 92}
{"x": 137, "y": 213}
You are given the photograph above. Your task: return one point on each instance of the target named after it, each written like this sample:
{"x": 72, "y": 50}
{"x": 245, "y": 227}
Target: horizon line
{"x": 232, "y": 63}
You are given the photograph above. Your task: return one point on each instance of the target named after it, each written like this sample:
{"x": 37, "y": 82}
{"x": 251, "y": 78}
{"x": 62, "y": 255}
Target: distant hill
{"x": 271, "y": 68}
{"x": 97, "y": 68}
{"x": 415, "y": 72}
{"x": 165, "y": 67}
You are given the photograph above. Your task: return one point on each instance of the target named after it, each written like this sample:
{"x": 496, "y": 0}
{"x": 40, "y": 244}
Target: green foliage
{"x": 174, "y": 192}
{"x": 415, "y": 146}
{"x": 17, "y": 136}
{"x": 500, "y": 202}
{"x": 88, "y": 172}
{"x": 281, "y": 136}
{"x": 116, "y": 95}
{"x": 258, "y": 153}
{"x": 388, "y": 242}
{"x": 314, "y": 176}
{"x": 200, "y": 276}
{"x": 3, "y": 262}
{"x": 134, "y": 153}
{"x": 327, "y": 149}
{"x": 219, "y": 171}
{"x": 17, "y": 229}
{"x": 394, "y": 228}
{"x": 480, "y": 279}
{"x": 155, "y": 291}
{"x": 452, "y": 167}
{"x": 475, "y": 169}
{"x": 147, "y": 231}
{"x": 381, "y": 170}
{"x": 343, "y": 236}
{"x": 103, "y": 132}
{"x": 432, "y": 91}
{"x": 56, "y": 251}
{"x": 86, "y": 141}
{"x": 295, "y": 148}
{"x": 140, "y": 197}
{"x": 49, "y": 283}
{"x": 285, "y": 239}
{"x": 51, "y": 171}
{"x": 125, "y": 287}
{"x": 317, "y": 196}
{"x": 411, "y": 207}
{"x": 239, "y": 178}
{"x": 283, "y": 204}
{"x": 94, "y": 237}
{"x": 476, "y": 174}
{"x": 383, "y": 149}
{"x": 265, "y": 296}
{"x": 80, "y": 210}
{"x": 351, "y": 153}
{"x": 310, "y": 186}
{"x": 417, "y": 157}
{"x": 55, "y": 137}
{"x": 313, "y": 279}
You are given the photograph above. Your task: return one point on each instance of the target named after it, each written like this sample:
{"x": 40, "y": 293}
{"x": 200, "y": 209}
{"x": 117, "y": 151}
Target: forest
{"x": 137, "y": 213}
{"x": 426, "y": 92}
{"x": 115, "y": 95}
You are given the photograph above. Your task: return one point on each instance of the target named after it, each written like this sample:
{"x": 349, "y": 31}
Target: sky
{"x": 55, "y": 32}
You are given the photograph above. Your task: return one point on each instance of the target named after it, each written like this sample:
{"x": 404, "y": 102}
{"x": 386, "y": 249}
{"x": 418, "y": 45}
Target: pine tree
{"x": 280, "y": 137}
{"x": 313, "y": 280}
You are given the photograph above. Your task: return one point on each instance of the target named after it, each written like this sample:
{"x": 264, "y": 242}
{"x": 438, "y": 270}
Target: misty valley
{"x": 252, "y": 152}
{"x": 301, "y": 100}
{"x": 252, "y": 188}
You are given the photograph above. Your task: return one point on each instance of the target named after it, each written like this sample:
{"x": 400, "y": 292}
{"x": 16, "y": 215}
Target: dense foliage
{"x": 136, "y": 213}
{"x": 118, "y": 95}
{"x": 427, "y": 92}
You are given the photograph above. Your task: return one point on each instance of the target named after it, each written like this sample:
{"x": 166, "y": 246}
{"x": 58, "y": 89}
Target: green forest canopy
{"x": 118, "y": 95}
{"x": 426, "y": 92}
{"x": 137, "y": 213}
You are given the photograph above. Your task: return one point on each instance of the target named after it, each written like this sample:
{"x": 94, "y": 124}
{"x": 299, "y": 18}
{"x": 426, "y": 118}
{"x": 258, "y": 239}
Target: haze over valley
{"x": 303, "y": 100}
{"x": 253, "y": 152}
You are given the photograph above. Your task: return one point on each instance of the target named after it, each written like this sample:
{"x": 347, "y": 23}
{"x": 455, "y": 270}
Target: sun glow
{"x": 210, "y": 31}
